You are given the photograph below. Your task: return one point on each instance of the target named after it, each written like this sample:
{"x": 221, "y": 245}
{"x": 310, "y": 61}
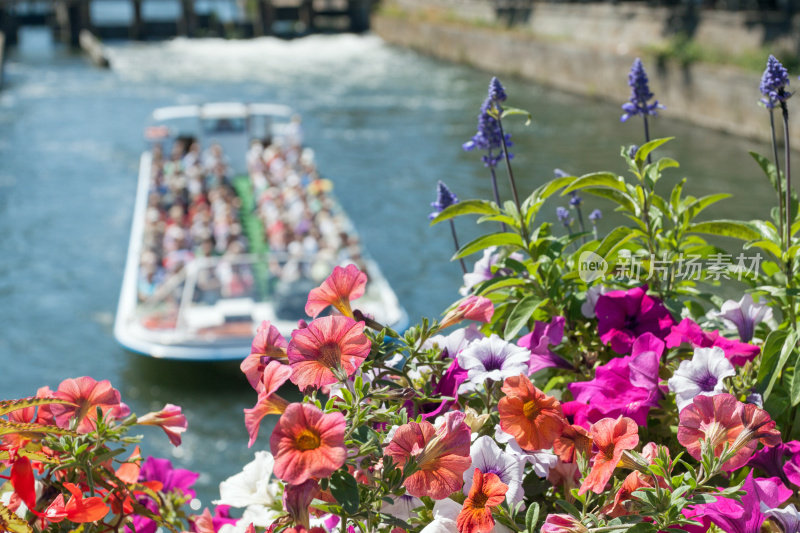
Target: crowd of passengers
{"x": 193, "y": 211}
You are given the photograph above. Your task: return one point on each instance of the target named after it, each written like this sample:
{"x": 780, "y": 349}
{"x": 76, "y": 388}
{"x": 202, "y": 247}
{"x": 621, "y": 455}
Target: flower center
{"x": 479, "y": 500}
{"x": 493, "y": 362}
{"x": 330, "y": 355}
{"x": 530, "y": 410}
{"x": 307, "y": 440}
{"x": 631, "y": 322}
{"x": 608, "y": 450}
{"x": 707, "y": 383}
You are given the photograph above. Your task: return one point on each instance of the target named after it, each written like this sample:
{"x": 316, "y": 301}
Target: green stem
{"x": 515, "y": 195}
{"x": 778, "y": 184}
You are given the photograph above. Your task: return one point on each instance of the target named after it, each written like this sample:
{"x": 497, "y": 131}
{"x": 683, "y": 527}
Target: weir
{"x": 68, "y": 18}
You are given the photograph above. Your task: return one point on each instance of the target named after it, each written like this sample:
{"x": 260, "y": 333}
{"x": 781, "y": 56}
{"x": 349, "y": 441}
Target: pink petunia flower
{"x": 341, "y": 287}
{"x": 307, "y": 443}
{"x": 626, "y": 386}
{"x": 170, "y": 419}
{"x": 475, "y": 308}
{"x": 441, "y": 455}
{"x": 87, "y": 394}
{"x": 721, "y": 420}
{"x": 269, "y": 403}
{"x": 688, "y": 331}
{"x": 622, "y": 316}
{"x": 330, "y": 349}
{"x": 268, "y": 345}
{"x": 562, "y": 523}
{"x": 538, "y": 341}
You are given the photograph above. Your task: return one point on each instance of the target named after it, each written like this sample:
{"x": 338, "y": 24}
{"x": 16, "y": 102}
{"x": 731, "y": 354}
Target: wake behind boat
{"x": 232, "y": 225}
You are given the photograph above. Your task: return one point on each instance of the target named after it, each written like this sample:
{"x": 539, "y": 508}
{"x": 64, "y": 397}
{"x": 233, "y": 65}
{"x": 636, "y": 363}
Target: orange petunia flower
{"x": 441, "y": 455}
{"x": 533, "y": 418}
{"x": 307, "y": 443}
{"x": 342, "y": 286}
{"x": 87, "y": 394}
{"x": 330, "y": 349}
{"x": 267, "y": 345}
{"x": 611, "y": 438}
{"x": 475, "y": 308}
{"x": 574, "y": 439}
{"x": 476, "y": 514}
{"x": 269, "y": 403}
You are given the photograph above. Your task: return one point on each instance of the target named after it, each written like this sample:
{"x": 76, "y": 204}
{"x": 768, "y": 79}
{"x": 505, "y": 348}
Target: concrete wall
{"x": 630, "y": 26}
{"x": 718, "y": 97}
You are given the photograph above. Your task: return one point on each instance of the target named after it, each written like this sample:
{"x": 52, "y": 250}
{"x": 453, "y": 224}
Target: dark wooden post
{"x": 188, "y": 23}
{"x": 307, "y": 14}
{"x": 263, "y": 18}
{"x": 8, "y": 26}
{"x": 136, "y": 25}
{"x": 359, "y": 11}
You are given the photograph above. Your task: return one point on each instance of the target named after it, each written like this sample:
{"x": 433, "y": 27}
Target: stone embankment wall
{"x": 588, "y": 49}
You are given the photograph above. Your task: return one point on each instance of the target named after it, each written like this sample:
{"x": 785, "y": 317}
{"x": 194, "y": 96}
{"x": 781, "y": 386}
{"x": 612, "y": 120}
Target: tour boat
{"x": 232, "y": 226}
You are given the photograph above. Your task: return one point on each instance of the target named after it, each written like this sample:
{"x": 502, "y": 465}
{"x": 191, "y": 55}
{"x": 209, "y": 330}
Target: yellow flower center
{"x": 307, "y": 440}
{"x": 530, "y": 410}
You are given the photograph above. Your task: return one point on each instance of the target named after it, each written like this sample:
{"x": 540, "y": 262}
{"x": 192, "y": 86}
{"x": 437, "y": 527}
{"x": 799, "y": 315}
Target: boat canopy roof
{"x": 220, "y": 110}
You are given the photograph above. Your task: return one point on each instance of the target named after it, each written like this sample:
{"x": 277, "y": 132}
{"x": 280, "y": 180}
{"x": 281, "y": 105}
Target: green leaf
{"x": 794, "y": 388}
{"x": 767, "y": 246}
{"x": 769, "y": 353}
{"x": 597, "y": 179}
{"x": 521, "y": 314}
{"x": 345, "y": 489}
{"x": 552, "y": 186}
{"x": 645, "y": 149}
{"x": 532, "y": 517}
{"x": 700, "y": 204}
{"x": 622, "y": 198}
{"x": 613, "y": 241}
{"x": 786, "y": 350}
{"x": 512, "y": 111}
{"x": 726, "y": 228}
{"x": 485, "y": 241}
{"x": 768, "y": 167}
{"x": 467, "y": 207}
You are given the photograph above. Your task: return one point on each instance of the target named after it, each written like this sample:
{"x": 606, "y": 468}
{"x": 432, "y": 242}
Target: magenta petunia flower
{"x": 782, "y": 461}
{"x": 689, "y": 332}
{"x": 625, "y": 386}
{"x": 538, "y": 341}
{"x": 622, "y": 316}
{"x": 745, "y": 516}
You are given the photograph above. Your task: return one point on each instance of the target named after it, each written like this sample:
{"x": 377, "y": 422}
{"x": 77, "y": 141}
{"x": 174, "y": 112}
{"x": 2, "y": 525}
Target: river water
{"x": 385, "y": 123}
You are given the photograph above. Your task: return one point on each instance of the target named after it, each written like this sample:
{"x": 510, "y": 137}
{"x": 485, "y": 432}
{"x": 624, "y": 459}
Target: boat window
{"x": 224, "y": 125}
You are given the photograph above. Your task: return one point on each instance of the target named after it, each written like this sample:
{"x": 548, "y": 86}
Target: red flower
{"x": 611, "y": 438}
{"x": 487, "y": 491}
{"x": 475, "y": 308}
{"x": 329, "y": 349}
{"x": 170, "y": 419}
{"x": 441, "y": 455}
{"x": 87, "y": 394}
{"x": 534, "y": 419}
{"x": 268, "y": 344}
{"x": 269, "y": 403}
{"x": 23, "y": 481}
{"x": 78, "y": 509}
{"x": 562, "y": 523}
{"x": 307, "y": 443}
{"x": 342, "y": 286}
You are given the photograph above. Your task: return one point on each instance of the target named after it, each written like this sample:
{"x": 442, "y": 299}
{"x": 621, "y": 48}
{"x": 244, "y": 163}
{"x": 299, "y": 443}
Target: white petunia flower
{"x": 744, "y": 315}
{"x": 541, "y": 460}
{"x": 489, "y": 458}
{"x": 252, "y": 485}
{"x": 704, "y": 375}
{"x": 594, "y": 292}
{"x": 492, "y": 359}
{"x": 402, "y": 507}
